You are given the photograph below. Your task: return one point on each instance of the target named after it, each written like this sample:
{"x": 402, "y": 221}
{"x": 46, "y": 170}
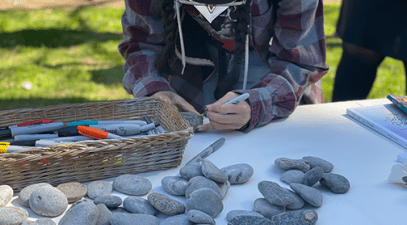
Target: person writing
{"x": 198, "y": 54}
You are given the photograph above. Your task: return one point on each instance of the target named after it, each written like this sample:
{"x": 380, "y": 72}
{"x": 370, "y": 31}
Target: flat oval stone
{"x": 205, "y": 200}
{"x": 292, "y": 176}
{"x": 132, "y": 184}
{"x": 138, "y": 205}
{"x": 41, "y": 221}
{"x": 104, "y": 215}
{"x": 238, "y": 173}
{"x": 250, "y": 220}
{"x": 12, "y": 215}
{"x": 224, "y": 188}
{"x": 133, "y": 219}
{"x": 275, "y": 194}
{"x": 174, "y": 185}
{"x": 298, "y": 203}
{"x": 99, "y": 188}
{"x": 200, "y": 217}
{"x": 165, "y": 204}
{"x": 181, "y": 219}
{"x": 232, "y": 214}
{"x": 318, "y": 162}
{"x": 25, "y": 193}
{"x": 292, "y": 164}
{"x": 48, "y": 201}
{"x": 301, "y": 217}
{"x": 312, "y": 176}
{"x": 266, "y": 209}
{"x": 82, "y": 212}
{"x": 74, "y": 191}
{"x": 212, "y": 172}
{"x": 190, "y": 171}
{"x": 119, "y": 210}
{"x": 201, "y": 182}
{"x": 336, "y": 183}
{"x": 111, "y": 201}
{"x": 309, "y": 194}
{"x": 6, "y": 194}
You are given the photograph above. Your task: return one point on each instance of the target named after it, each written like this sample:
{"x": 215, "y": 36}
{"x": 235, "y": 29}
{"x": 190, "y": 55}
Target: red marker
{"x": 96, "y": 133}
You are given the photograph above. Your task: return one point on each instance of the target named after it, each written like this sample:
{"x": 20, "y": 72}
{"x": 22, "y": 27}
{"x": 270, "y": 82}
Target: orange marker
{"x": 96, "y": 133}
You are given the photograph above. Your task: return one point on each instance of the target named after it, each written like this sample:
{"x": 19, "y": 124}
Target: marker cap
{"x": 5, "y": 133}
{"x": 68, "y": 131}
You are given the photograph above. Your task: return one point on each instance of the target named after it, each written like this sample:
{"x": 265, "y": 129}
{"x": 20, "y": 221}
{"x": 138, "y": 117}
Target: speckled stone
{"x": 133, "y": 219}
{"x": 25, "y": 193}
{"x": 174, "y": 185}
{"x": 292, "y": 176}
{"x": 212, "y": 172}
{"x": 111, "y": 201}
{"x": 42, "y": 221}
{"x": 48, "y": 201}
{"x": 74, "y": 191}
{"x": 12, "y": 215}
{"x": 309, "y": 194}
{"x": 6, "y": 194}
{"x": 138, "y": 205}
{"x": 190, "y": 171}
{"x": 232, "y": 214}
{"x": 181, "y": 219}
{"x": 336, "y": 183}
{"x": 224, "y": 188}
{"x": 318, "y": 162}
{"x": 298, "y": 203}
{"x": 275, "y": 194}
{"x": 99, "y": 188}
{"x": 193, "y": 119}
{"x": 205, "y": 200}
{"x": 238, "y": 173}
{"x": 132, "y": 184}
{"x": 201, "y": 182}
{"x": 104, "y": 215}
{"x": 301, "y": 217}
{"x": 292, "y": 164}
{"x": 82, "y": 212}
{"x": 312, "y": 176}
{"x": 266, "y": 209}
{"x": 250, "y": 220}
{"x": 165, "y": 204}
{"x": 200, "y": 217}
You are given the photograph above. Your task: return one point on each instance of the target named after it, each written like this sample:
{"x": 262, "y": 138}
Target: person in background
{"x": 197, "y": 54}
{"x": 370, "y": 30}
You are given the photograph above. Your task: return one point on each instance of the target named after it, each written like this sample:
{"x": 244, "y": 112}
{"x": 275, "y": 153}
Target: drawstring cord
{"x": 181, "y": 37}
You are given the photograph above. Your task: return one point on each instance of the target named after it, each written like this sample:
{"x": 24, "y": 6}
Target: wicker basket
{"x": 97, "y": 159}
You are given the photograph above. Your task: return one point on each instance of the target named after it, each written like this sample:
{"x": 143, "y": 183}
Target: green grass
{"x": 71, "y": 56}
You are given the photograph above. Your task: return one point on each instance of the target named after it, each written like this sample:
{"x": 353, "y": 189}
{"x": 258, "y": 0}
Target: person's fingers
{"x": 184, "y": 105}
{"x": 234, "y": 118}
{"x": 218, "y": 126}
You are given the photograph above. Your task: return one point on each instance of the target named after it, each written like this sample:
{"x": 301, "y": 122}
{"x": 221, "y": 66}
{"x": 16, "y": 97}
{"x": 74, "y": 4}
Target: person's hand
{"x": 175, "y": 99}
{"x": 237, "y": 115}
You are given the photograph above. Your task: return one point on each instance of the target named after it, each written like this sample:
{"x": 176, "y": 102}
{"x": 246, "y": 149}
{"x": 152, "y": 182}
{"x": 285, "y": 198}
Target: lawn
{"x": 55, "y": 56}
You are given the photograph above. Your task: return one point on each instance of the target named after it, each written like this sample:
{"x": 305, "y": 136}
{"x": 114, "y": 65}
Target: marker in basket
{"x": 96, "y": 133}
{"x": 126, "y": 129}
{"x": 28, "y": 123}
{"x": 49, "y": 143}
{"x": 105, "y": 122}
{"x": 29, "y": 137}
{"x": 149, "y": 121}
{"x": 235, "y": 100}
{"x": 32, "y": 129}
{"x": 5, "y": 147}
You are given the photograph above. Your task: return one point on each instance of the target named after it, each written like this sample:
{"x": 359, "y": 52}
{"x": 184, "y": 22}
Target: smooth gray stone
{"x": 111, "y": 201}
{"x": 6, "y": 194}
{"x": 48, "y": 201}
{"x": 250, "y": 220}
{"x": 292, "y": 164}
{"x": 74, "y": 191}
{"x": 181, "y": 219}
{"x": 318, "y": 162}
{"x": 190, "y": 171}
{"x": 275, "y": 194}
{"x": 224, "y": 188}
{"x": 165, "y": 204}
{"x": 119, "y": 210}
{"x": 309, "y": 194}
{"x": 336, "y": 183}
{"x": 42, "y": 221}
{"x": 212, "y": 172}
{"x": 263, "y": 207}
{"x": 99, "y": 188}
{"x": 25, "y": 193}
{"x": 138, "y": 205}
{"x": 12, "y": 215}
{"x": 82, "y": 212}
{"x": 174, "y": 185}
{"x": 133, "y": 219}
{"x": 232, "y": 214}
{"x": 238, "y": 173}
{"x": 132, "y": 184}
{"x": 200, "y": 217}
{"x": 292, "y": 176}
{"x": 104, "y": 215}
{"x": 205, "y": 200}
{"x": 299, "y": 202}
{"x": 312, "y": 176}
{"x": 301, "y": 217}
{"x": 201, "y": 182}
